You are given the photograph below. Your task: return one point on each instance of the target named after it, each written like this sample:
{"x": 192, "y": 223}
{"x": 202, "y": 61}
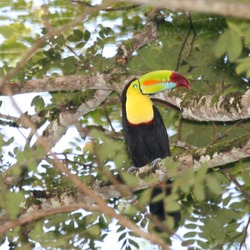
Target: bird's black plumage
{"x": 147, "y": 142}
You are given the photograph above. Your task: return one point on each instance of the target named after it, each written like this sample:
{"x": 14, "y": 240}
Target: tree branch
{"x": 58, "y": 127}
{"x": 213, "y": 156}
{"x": 62, "y": 83}
{"x": 39, "y": 214}
{"x": 218, "y": 107}
{"x": 225, "y": 8}
{"x": 147, "y": 35}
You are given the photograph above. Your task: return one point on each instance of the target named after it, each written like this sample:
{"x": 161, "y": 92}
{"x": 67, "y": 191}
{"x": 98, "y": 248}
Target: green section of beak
{"x": 156, "y": 81}
{"x": 156, "y": 87}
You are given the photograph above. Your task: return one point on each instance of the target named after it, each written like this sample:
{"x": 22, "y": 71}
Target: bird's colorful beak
{"x": 160, "y": 80}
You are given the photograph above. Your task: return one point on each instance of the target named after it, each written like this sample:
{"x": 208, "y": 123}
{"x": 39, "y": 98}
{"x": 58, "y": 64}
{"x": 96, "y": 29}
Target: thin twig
{"x": 237, "y": 184}
{"x": 129, "y": 7}
{"x": 108, "y": 119}
{"x": 194, "y": 33}
{"x": 245, "y": 233}
{"x": 226, "y": 133}
{"x": 84, "y": 3}
{"x": 191, "y": 29}
{"x": 179, "y": 128}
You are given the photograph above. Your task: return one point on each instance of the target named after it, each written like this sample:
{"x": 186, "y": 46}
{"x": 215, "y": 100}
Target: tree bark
{"x": 224, "y": 8}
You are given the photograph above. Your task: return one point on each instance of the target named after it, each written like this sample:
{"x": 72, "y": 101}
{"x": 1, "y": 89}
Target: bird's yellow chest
{"x": 139, "y": 108}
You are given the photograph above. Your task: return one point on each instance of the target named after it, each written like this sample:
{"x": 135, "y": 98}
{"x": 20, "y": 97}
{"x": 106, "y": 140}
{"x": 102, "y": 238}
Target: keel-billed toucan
{"x": 144, "y": 131}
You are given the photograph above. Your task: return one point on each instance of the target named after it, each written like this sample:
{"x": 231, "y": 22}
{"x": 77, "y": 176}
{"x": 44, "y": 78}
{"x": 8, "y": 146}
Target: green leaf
{"x": 190, "y": 234}
{"x": 78, "y": 34}
{"x": 86, "y": 35}
{"x": 236, "y": 206}
{"x": 247, "y": 37}
{"x": 185, "y": 181}
{"x": 199, "y": 192}
{"x": 38, "y": 103}
{"x": 227, "y": 200}
{"x": 171, "y": 203}
{"x": 72, "y": 38}
{"x": 246, "y": 178}
{"x": 122, "y": 236}
{"x": 213, "y": 184}
{"x": 158, "y": 197}
{"x": 129, "y": 179}
{"x": 90, "y": 218}
{"x": 94, "y": 230}
{"x": 120, "y": 229}
{"x": 191, "y": 226}
{"x": 235, "y": 46}
{"x": 202, "y": 244}
{"x": 69, "y": 65}
{"x": 133, "y": 243}
{"x": 37, "y": 231}
{"x": 145, "y": 196}
{"x": 243, "y": 66}
{"x": 10, "y": 140}
{"x": 229, "y": 43}
{"x": 80, "y": 45}
{"x": 143, "y": 223}
{"x": 127, "y": 208}
{"x": 12, "y": 199}
{"x": 201, "y": 174}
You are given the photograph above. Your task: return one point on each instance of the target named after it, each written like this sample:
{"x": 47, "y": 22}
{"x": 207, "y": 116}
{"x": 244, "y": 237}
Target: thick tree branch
{"x": 62, "y": 83}
{"x": 225, "y": 8}
{"x": 218, "y": 107}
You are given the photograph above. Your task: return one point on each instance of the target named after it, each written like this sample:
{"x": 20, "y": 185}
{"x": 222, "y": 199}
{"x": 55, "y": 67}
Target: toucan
{"x": 145, "y": 134}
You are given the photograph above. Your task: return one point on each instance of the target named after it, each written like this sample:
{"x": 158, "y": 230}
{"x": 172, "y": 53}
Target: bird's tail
{"x": 157, "y": 207}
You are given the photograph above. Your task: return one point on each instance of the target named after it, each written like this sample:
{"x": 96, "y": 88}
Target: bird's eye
{"x": 135, "y": 85}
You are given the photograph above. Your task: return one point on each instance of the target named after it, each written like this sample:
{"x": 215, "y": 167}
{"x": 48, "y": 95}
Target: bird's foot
{"x": 155, "y": 162}
{"x": 132, "y": 169}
